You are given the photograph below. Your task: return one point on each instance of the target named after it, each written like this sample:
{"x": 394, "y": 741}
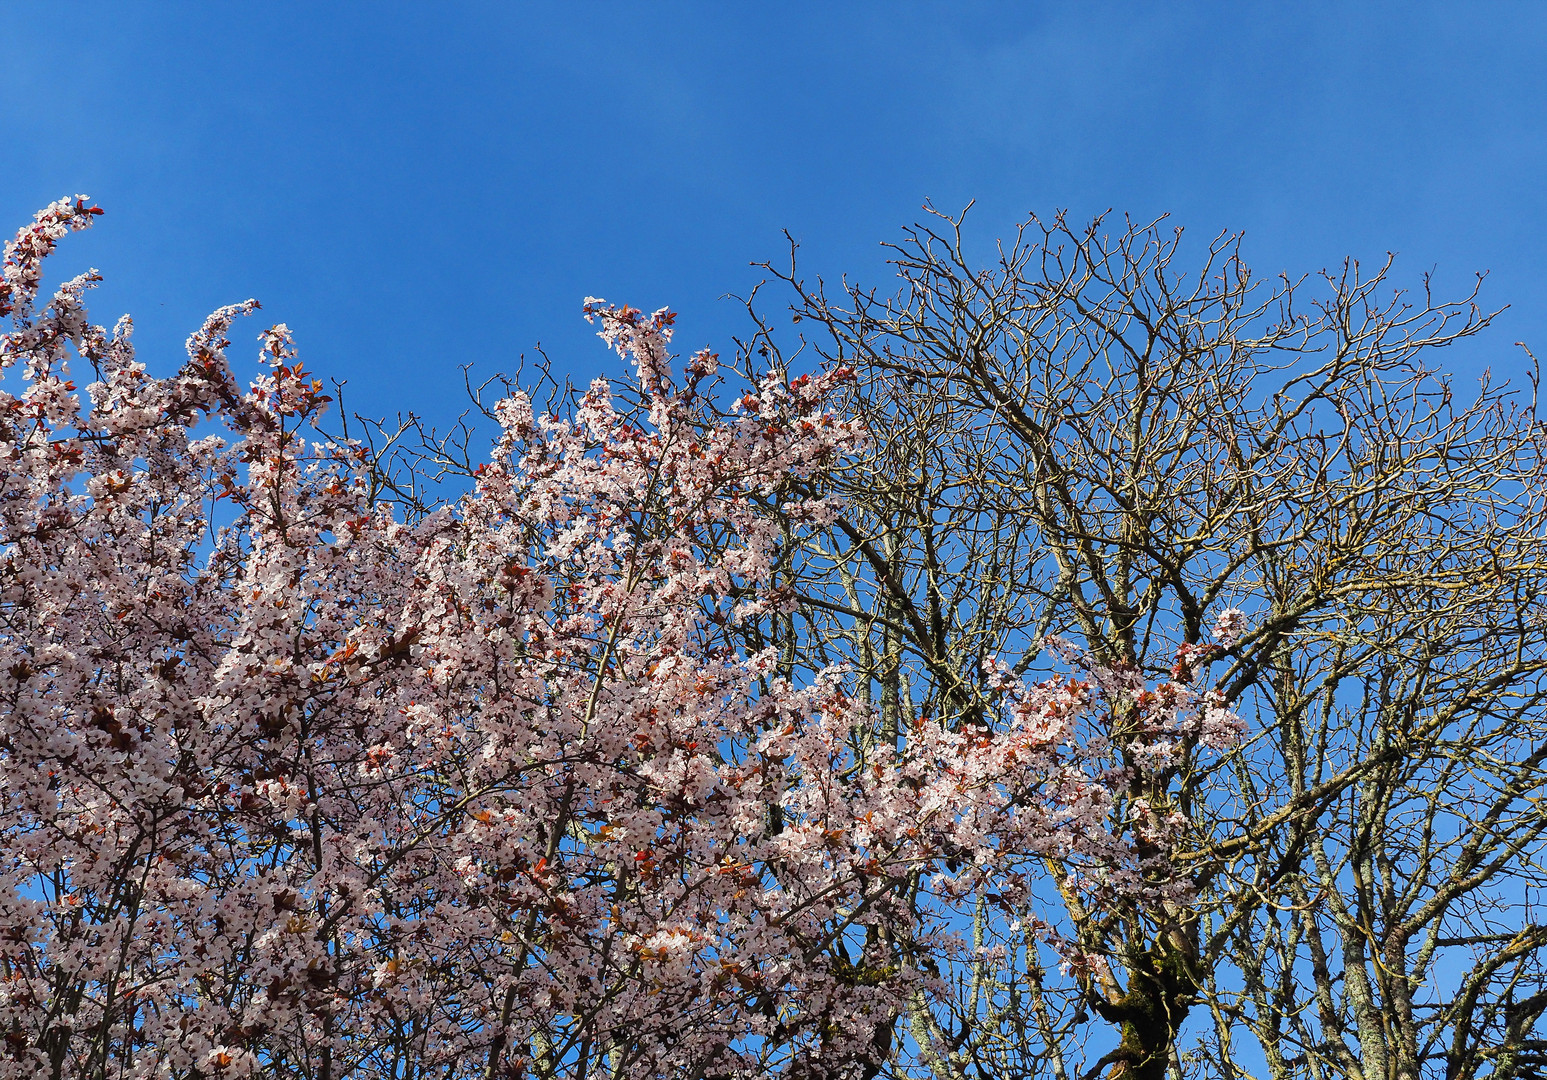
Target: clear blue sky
{"x": 415, "y": 186}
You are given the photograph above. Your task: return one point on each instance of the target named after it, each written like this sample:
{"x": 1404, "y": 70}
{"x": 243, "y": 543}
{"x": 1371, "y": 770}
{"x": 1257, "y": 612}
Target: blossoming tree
{"x": 293, "y": 787}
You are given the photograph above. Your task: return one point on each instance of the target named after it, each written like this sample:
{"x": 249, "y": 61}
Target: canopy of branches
{"x": 1087, "y": 667}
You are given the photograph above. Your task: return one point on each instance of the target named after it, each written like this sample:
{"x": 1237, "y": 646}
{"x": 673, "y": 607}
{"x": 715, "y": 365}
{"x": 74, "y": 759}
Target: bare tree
{"x": 1092, "y": 438}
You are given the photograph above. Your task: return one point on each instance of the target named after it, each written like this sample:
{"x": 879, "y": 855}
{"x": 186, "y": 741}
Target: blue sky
{"x": 415, "y": 186}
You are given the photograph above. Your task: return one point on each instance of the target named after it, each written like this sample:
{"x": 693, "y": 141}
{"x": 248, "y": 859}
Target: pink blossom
{"x": 1230, "y": 627}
